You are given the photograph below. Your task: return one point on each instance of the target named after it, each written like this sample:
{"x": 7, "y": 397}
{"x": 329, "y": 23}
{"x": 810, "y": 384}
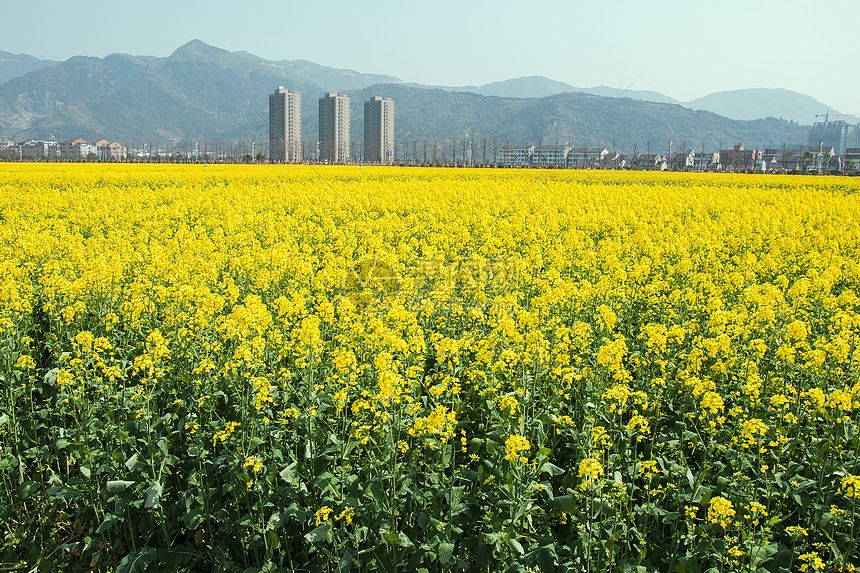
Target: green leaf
{"x": 109, "y": 521}
{"x": 833, "y": 548}
{"x": 445, "y": 551}
{"x": 85, "y": 471}
{"x": 153, "y": 495}
{"x": 272, "y": 539}
{"x": 288, "y": 474}
{"x": 546, "y": 558}
{"x": 516, "y": 545}
{"x": 118, "y": 485}
{"x": 54, "y": 479}
{"x": 551, "y": 469}
{"x": 564, "y": 503}
{"x": 378, "y": 493}
{"x": 137, "y": 562}
{"x": 131, "y": 462}
{"x": 404, "y": 540}
{"x": 192, "y": 519}
{"x": 276, "y": 520}
{"x": 345, "y": 563}
{"x": 398, "y": 539}
{"x": 318, "y": 534}
{"x": 702, "y": 495}
{"x": 686, "y": 565}
{"x": 162, "y": 445}
{"x": 27, "y": 489}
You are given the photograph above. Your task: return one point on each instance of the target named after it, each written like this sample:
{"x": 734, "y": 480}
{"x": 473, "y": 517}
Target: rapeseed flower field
{"x": 270, "y": 368}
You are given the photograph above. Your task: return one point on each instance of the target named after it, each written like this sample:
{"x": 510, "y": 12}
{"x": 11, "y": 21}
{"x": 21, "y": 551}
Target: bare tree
{"x": 683, "y": 158}
{"x": 648, "y": 152}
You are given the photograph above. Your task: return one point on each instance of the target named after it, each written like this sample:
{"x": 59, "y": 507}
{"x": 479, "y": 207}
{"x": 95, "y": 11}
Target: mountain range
{"x": 15, "y": 65}
{"x": 744, "y": 104}
{"x": 205, "y": 93}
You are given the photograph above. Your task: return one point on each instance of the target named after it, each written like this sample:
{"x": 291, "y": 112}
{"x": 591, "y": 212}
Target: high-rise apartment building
{"x": 839, "y": 135}
{"x": 334, "y": 128}
{"x": 285, "y": 126}
{"x": 379, "y": 130}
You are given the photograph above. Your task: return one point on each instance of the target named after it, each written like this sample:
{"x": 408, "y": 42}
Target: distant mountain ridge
{"x": 764, "y": 102}
{"x": 16, "y": 65}
{"x": 206, "y": 93}
{"x": 743, "y": 104}
{"x": 540, "y": 86}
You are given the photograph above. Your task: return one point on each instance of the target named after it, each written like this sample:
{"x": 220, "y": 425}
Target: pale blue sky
{"x": 684, "y": 49}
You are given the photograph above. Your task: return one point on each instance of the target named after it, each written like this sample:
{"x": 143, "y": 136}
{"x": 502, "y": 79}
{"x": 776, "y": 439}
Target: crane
{"x": 827, "y": 115}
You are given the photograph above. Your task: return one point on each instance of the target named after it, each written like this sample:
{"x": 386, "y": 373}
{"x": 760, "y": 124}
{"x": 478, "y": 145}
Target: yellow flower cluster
{"x": 590, "y": 469}
{"x": 225, "y": 434}
{"x": 253, "y": 463}
{"x": 322, "y": 514}
{"x": 813, "y": 560}
{"x": 850, "y": 486}
{"x": 720, "y": 511}
{"x": 514, "y": 446}
{"x": 439, "y": 424}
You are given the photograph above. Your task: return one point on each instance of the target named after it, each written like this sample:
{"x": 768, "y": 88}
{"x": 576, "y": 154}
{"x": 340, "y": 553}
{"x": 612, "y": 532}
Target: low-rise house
{"x": 8, "y": 150}
{"x": 110, "y": 151}
{"x": 782, "y": 160}
{"x": 77, "y": 148}
{"x": 814, "y": 159}
{"x": 707, "y": 161}
{"x": 101, "y": 146}
{"x": 552, "y": 156}
{"x": 34, "y": 149}
{"x": 739, "y": 159}
{"x": 116, "y": 152}
{"x": 612, "y": 160}
{"x": 586, "y": 156}
{"x": 650, "y": 161}
{"x": 516, "y": 155}
{"x": 683, "y": 160}
{"x": 851, "y": 160}
{"x": 549, "y": 156}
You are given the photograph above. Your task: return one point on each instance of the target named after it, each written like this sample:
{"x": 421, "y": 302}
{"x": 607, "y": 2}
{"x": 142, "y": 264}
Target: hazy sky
{"x": 680, "y": 48}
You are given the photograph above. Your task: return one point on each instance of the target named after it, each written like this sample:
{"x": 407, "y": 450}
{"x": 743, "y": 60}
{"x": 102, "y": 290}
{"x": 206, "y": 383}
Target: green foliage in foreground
{"x": 103, "y": 481}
